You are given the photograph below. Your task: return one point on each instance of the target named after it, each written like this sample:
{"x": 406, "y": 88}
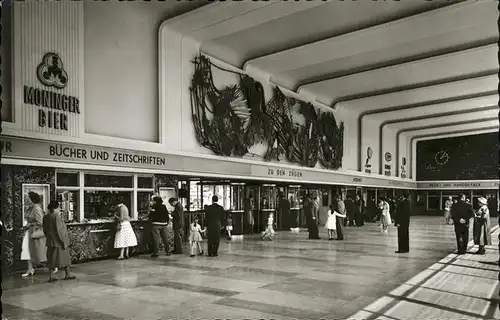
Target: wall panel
{"x": 41, "y": 27}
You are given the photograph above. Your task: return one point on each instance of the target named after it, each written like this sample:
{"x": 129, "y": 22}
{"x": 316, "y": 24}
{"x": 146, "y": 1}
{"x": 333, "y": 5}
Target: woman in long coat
{"x": 57, "y": 242}
{"x": 33, "y": 247}
{"x": 482, "y": 225}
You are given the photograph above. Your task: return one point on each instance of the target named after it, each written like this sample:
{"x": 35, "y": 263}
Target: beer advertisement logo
{"x": 51, "y": 72}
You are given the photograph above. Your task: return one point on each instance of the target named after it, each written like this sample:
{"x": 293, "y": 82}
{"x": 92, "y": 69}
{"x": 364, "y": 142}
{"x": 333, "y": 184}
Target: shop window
{"x": 67, "y": 179}
{"x": 268, "y": 197}
{"x": 143, "y": 204}
{"x": 108, "y": 181}
{"x": 102, "y": 204}
{"x": 145, "y": 182}
{"x": 69, "y": 204}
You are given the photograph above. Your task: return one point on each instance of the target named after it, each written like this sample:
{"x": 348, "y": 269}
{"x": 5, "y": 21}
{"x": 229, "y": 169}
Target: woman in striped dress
{"x": 125, "y": 235}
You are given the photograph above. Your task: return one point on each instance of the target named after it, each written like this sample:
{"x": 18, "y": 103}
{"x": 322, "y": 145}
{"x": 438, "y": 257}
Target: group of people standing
{"x": 461, "y": 213}
{"x": 350, "y": 212}
{"x": 160, "y": 219}
{"x": 46, "y": 239}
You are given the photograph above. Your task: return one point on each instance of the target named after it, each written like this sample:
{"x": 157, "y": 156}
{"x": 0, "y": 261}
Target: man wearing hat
{"x": 461, "y": 213}
{"x": 481, "y": 230}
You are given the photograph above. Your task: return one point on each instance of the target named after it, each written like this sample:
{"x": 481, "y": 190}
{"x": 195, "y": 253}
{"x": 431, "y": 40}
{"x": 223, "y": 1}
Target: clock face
{"x": 388, "y": 157}
{"x": 442, "y": 157}
{"x": 369, "y": 152}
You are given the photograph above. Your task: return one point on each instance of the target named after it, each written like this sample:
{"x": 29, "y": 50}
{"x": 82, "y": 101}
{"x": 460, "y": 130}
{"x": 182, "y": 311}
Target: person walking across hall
{"x": 178, "y": 224}
{"x": 403, "y": 223}
{"x": 339, "y": 206}
{"x": 447, "y": 210}
{"x": 350, "y": 210}
{"x": 461, "y": 214}
{"x": 359, "y": 210}
{"x": 57, "y": 242}
{"x": 159, "y": 219}
{"x": 214, "y": 215}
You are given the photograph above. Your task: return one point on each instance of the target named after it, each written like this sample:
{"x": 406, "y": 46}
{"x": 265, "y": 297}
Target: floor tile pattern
{"x": 289, "y": 278}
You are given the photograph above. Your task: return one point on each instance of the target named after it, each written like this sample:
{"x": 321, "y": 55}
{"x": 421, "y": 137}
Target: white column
{"x": 133, "y": 204}
{"x": 81, "y": 197}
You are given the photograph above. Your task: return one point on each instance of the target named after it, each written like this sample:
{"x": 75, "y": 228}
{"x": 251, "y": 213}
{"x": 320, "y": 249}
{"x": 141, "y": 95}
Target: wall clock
{"x": 388, "y": 157}
{"x": 442, "y": 157}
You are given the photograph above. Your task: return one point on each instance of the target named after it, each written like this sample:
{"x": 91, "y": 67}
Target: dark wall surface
{"x": 473, "y": 157}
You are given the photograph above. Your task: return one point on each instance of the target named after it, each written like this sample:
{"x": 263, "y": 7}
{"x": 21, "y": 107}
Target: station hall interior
{"x": 250, "y": 159}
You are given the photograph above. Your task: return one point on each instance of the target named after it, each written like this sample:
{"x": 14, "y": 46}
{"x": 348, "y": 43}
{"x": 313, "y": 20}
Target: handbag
{"x": 37, "y": 234}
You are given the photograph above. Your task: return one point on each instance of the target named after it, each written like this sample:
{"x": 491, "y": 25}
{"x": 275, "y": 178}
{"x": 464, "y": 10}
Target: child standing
{"x": 195, "y": 238}
{"x": 331, "y": 222}
{"x": 269, "y": 232}
{"x": 229, "y": 225}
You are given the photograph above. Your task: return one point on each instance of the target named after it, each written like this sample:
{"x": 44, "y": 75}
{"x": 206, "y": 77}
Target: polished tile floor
{"x": 289, "y": 278}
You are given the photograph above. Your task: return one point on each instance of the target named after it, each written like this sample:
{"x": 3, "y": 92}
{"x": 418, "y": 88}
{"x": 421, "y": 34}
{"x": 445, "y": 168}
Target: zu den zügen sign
{"x": 52, "y": 106}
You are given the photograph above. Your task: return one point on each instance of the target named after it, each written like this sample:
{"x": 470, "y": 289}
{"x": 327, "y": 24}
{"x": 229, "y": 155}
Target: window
{"x": 94, "y": 195}
{"x": 101, "y": 204}
{"x": 144, "y": 182}
{"x": 195, "y": 196}
{"x": 108, "y": 181}
{"x": 67, "y": 179}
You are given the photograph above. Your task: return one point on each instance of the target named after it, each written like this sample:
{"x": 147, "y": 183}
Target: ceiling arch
{"x": 369, "y": 58}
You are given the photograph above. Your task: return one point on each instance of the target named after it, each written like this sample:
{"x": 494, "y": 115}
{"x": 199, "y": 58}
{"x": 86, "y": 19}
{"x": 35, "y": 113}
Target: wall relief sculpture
{"x": 229, "y": 121}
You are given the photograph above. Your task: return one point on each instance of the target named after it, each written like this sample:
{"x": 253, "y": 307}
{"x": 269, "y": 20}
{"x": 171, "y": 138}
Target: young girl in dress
{"x": 195, "y": 238}
{"x": 331, "y": 222}
{"x": 269, "y": 232}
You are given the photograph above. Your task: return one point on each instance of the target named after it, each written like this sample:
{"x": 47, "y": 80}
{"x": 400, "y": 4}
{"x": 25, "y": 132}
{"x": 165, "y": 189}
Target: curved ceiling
{"x": 383, "y": 60}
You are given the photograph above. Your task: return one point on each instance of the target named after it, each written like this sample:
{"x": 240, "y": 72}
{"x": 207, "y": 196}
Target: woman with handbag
{"x": 33, "y": 249}
{"x": 482, "y": 226}
{"x": 57, "y": 242}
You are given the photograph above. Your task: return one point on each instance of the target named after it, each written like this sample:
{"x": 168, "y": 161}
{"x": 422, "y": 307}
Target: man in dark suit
{"x": 177, "y": 224}
{"x": 313, "y": 212}
{"x": 340, "y": 208}
{"x": 461, "y": 213}
{"x": 214, "y": 215}
{"x": 403, "y": 223}
{"x": 349, "y": 207}
{"x": 359, "y": 210}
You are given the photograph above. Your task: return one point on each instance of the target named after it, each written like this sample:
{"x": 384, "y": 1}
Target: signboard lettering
{"x": 357, "y": 180}
{"x": 51, "y": 74}
{"x": 284, "y": 173}
{"x": 5, "y": 146}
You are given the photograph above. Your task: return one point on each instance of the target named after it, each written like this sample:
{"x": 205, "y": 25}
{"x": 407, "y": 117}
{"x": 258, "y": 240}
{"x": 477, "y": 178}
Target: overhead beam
{"x": 433, "y": 116}
{"x": 464, "y": 132}
{"x": 367, "y": 25}
{"x": 395, "y": 62}
{"x": 441, "y": 125}
{"x": 411, "y": 106}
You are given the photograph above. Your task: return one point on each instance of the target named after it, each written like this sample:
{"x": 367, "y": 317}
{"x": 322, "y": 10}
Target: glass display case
{"x": 268, "y": 197}
{"x": 143, "y": 204}
{"x": 294, "y": 197}
{"x": 68, "y": 200}
{"x": 237, "y": 197}
{"x": 195, "y": 196}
